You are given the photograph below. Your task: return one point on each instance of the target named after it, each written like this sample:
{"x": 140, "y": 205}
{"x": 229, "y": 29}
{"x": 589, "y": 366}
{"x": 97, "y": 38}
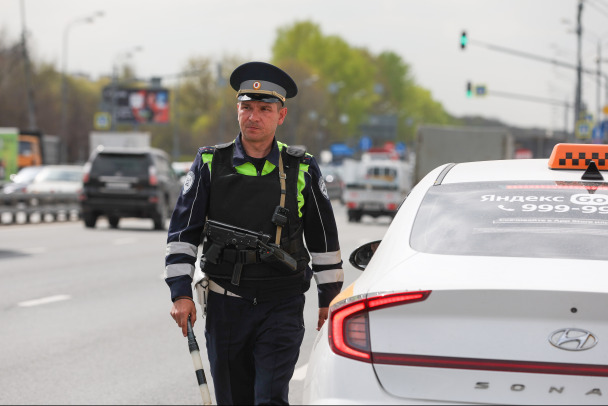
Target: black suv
{"x": 128, "y": 182}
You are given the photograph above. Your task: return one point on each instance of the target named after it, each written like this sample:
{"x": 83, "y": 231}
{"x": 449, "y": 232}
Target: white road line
{"x": 300, "y": 373}
{"x": 44, "y": 300}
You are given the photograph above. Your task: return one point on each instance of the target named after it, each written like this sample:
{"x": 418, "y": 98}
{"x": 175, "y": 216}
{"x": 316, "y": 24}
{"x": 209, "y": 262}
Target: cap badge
{"x": 257, "y": 85}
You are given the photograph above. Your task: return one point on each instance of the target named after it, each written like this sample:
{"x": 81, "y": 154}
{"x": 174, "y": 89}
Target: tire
{"x": 160, "y": 219}
{"x": 113, "y": 220}
{"x": 89, "y": 220}
{"x": 354, "y": 216}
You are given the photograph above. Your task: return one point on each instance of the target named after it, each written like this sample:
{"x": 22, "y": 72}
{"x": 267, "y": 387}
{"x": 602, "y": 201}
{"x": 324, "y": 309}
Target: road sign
{"x": 481, "y": 90}
{"x": 102, "y": 121}
{"x": 597, "y": 135}
{"x": 365, "y": 143}
{"x": 583, "y": 129}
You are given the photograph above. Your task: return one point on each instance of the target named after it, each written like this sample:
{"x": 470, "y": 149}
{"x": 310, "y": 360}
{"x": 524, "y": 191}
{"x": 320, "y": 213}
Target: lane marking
{"x": 44, "y": 300}
{"x": 300, "y": 373}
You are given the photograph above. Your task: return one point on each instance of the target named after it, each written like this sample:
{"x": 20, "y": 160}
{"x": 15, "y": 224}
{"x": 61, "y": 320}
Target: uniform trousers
{"x": 253, "y": 348}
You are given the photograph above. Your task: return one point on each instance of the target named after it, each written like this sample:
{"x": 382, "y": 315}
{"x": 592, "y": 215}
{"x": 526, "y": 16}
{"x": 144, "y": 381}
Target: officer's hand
{"x": 323, "y": 314}
{"x": 182, "y": 308}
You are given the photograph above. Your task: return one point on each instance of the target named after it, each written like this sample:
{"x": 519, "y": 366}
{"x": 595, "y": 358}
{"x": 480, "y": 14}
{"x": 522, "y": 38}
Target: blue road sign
{"x": 365, "y": 143}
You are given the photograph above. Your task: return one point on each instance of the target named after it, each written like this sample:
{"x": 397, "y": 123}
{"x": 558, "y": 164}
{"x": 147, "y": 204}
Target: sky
{"x": 425, "y": 33}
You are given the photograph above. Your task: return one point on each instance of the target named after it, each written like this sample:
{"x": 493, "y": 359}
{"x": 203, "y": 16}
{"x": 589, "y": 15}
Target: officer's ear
{"x": 282, "y": 113}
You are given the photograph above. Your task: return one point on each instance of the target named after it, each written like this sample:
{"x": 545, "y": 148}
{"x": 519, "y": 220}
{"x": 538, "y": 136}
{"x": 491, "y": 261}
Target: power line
{"x": 598, "y": 8}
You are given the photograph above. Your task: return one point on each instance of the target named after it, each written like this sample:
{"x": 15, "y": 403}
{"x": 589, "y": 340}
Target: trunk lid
{"x": 497, "y": 333}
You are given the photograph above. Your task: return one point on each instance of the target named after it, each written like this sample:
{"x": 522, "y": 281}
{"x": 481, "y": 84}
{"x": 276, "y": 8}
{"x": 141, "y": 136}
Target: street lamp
{"x": 120, "y": 57}
{"x": 64, "y": 58}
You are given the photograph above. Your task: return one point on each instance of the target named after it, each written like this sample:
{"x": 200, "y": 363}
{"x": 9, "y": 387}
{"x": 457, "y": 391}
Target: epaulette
{"x": 306, "y": 159}
{"x": 206, "y": 150}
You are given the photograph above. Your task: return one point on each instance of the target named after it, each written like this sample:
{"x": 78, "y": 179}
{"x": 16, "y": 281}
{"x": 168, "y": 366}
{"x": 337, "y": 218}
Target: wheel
{"x": 160, "y": 219}
{"x": 354, "y": 216}
{"x": 89, "y": 220}
{"x": 113, "y": 220}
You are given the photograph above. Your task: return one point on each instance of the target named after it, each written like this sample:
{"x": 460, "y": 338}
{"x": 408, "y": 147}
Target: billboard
{"x": 136, "y": 105}
{"x": 8, "y": 152}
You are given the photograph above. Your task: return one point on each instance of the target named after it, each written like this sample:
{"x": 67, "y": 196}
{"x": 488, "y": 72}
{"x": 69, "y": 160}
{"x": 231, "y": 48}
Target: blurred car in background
{"x": 129, "y": 182}
{"x": 333, "y": 182}
{"x": 181, "y": 169}
{"x": 489, "y": 287}
{"x": 21, "y": 179}
{"x": 57, "y": 179}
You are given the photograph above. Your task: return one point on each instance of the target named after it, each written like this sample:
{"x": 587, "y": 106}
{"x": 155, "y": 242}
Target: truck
{"x": 437, "y": 145}
{"x": 118, "y": 139}
{"x": 377, "y": 189}
{"x": 36, "y": 148}
{"x": 8, "y": 153}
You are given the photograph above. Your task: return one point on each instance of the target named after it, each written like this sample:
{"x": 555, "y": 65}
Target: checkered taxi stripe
{"x": 578, "y": 156}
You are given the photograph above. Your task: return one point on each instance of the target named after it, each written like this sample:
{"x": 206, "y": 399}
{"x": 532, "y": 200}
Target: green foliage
{"x": 355, "y": 84}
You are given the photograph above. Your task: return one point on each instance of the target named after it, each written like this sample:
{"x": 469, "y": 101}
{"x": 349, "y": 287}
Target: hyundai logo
{"x": 573, "y": 339}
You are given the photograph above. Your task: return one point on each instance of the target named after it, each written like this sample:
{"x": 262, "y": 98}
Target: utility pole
{"x": 31, "y": 110}
{"x": 579, "y": 66}
{"x": 597, "y": 83}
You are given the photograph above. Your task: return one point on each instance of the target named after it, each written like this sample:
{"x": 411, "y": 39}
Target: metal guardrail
{"x": 24, "y": 208}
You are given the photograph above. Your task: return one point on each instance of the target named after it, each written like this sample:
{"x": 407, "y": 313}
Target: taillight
{"x": 152, "y": 178}
{"x": 349, "y": 323}
{"x": 86, "y": 173}
{"x": 391, "y": 206}
{"x": 351, "y": 205}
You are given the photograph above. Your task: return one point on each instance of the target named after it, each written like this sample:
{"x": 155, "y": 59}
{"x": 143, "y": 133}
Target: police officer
{"x": 254, "y": 324}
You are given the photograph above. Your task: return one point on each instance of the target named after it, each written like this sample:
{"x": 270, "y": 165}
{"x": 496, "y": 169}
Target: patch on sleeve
{"x": 323, "y": 187}
{"x": 188, "y": 182}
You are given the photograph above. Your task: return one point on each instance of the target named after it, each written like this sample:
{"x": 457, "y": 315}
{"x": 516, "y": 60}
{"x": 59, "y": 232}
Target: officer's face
{"x": 259, "y": 120}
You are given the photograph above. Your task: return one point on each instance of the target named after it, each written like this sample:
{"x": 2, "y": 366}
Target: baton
{"x": 198, "y": 365}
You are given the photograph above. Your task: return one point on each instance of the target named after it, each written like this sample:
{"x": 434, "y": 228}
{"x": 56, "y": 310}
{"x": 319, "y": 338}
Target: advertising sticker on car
{"x": 188, "y": 182}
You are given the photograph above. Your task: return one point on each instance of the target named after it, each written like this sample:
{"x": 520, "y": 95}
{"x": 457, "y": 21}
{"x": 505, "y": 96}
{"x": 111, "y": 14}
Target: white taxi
{"x": 490, "y": 286}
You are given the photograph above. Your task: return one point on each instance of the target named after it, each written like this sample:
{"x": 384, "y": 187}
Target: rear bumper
{"x": 335, "y": 380}
{"x": 120, "y": 207}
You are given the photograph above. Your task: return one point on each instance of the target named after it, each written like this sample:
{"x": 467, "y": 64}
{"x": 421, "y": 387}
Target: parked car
{"x": 57, "y": 179}
{"x": 129, "y": 182}
{"x": 333, "y": 182}
{"x": 21, "y": 179}
{"x": 181, "y": 169}
{"x": 489, "y": 287}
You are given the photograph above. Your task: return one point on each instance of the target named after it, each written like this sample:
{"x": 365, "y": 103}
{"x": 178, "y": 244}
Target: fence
{"x": 24, "y": 208}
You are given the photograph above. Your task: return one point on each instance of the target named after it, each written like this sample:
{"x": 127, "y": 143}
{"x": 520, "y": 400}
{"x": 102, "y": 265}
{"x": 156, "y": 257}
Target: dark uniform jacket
{"x": 313, "y": 210}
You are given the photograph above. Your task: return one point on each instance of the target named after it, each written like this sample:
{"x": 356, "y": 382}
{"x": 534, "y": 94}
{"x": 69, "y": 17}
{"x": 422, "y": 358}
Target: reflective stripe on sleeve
{"x": 329, "y": 276}
{"x": 179, "y": 270}
{"x": 326, "y": 258}
{"x": 181, "y": 248}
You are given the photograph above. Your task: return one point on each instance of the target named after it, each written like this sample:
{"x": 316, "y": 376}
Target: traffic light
{"x": 469, "y": 89}
{"x": 463, "y": 40}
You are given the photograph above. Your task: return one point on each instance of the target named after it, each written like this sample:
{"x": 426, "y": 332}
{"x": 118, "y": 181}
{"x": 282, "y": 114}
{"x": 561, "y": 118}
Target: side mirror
{"x": 360, "y": 257}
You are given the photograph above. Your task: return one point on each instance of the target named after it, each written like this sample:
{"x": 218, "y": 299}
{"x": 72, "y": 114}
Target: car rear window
{"x": 533, "y": 219}
{"x": 135, "y": 165}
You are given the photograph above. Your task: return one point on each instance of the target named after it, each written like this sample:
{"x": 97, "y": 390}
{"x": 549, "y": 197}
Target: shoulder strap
{"x": 282, "y": 178}
{"x": 225, "y": 145}
{"x": 295, "y": 151}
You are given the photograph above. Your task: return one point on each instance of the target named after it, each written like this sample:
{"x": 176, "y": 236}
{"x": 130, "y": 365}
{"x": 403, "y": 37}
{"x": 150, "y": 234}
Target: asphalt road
{"x": 84, "y": 315}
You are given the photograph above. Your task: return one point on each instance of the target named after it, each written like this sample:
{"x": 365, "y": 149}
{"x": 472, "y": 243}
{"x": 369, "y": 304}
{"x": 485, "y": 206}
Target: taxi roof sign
{"x": 579, "y": 156}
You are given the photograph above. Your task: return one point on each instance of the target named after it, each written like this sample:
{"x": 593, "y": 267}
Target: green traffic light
{"x": 463, "y": 40}
{"x": 469, "y": 89}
